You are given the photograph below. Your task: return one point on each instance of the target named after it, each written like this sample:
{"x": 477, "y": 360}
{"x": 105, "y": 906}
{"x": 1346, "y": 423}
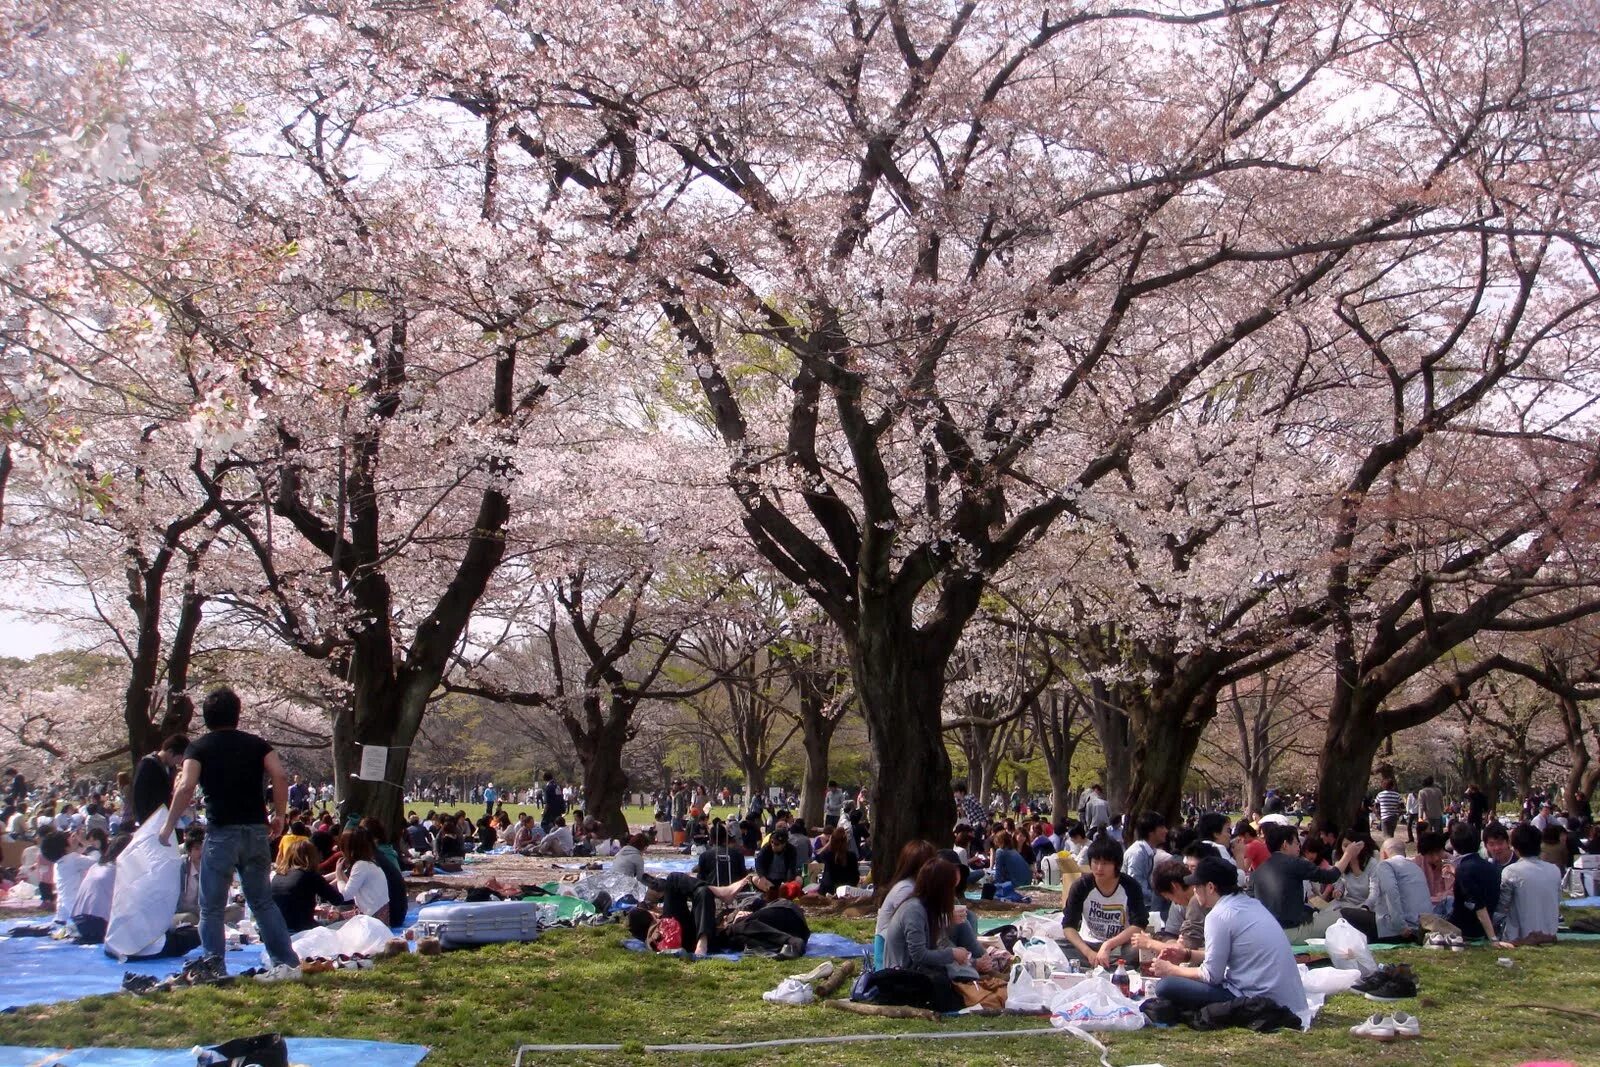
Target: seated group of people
{"x": 449, "y": 837}
{"x": 787, "y": 862}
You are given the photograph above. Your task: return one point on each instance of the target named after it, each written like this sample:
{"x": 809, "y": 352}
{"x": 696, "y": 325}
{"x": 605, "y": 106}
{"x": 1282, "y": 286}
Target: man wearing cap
{"x": 1247, "y": 954}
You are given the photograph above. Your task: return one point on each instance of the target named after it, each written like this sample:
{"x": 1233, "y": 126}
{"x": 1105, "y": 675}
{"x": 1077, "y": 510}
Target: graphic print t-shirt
{"x": 1099, "y": 916}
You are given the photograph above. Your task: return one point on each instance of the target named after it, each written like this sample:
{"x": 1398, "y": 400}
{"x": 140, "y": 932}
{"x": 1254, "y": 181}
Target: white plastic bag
{"x": 361, "y": 934}
{"x": 1041, "y": 950}
{"x": 1327, "y": 981}
{"x": 1347, "y": 948}
{"x": 1028, "y": 991}
{"x": 1095, "y": 1004}
{"x": 147, "y": 887}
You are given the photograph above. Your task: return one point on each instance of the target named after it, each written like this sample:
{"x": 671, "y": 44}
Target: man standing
{"x": 1430, "y": 805}
{"x": 555, "y": 804}
{"x": 229, "y": 764}
{"x": 1389, "y": 803}
{"x": 969, "y": 810}
{"x": 153, "y": 778}
{"x": 1096, "y": 813}
{"x": 832, "y": 805}
{"x": 490, "y": 795}
{"x": 297, "y": 793}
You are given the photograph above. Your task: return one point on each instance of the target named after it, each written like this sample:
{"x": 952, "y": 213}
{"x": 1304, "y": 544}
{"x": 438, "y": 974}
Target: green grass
{"x": 475, "y": 1008}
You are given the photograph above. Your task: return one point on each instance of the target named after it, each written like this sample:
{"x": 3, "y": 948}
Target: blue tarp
{"x": 1582, "y": 902}
{"x": 823, "y": 945}
{"x": 38, "y": 970}
{"x": 312, "y": 1051}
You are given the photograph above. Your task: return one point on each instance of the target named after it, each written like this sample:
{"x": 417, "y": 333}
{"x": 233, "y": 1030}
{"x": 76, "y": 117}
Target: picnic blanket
{"x": 320, "y": 1051}
{"x": 1582, "y": 902}
{"x": 679, "y": 865}
{"x": 831, "y": 946}
{"x": 39, "y": 970}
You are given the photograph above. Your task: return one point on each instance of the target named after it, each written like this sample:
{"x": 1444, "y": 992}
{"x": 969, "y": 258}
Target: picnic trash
{"x": 361, "y": 935}
{"x": 1095, "y": 1004}
{"x": 1347, "y": 948}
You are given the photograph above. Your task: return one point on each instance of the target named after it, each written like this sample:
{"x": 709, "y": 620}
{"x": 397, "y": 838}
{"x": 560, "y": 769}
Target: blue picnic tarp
{"x": 313, "y": 1051}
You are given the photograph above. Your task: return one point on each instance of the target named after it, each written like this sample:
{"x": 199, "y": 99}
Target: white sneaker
{"x": 280, "y": 972}
{"x": 1405, "y": 1025}
{"x": 1438, "y": 941}
{"x": 1380, "y": 1027}
{"x": 817, "y": 973}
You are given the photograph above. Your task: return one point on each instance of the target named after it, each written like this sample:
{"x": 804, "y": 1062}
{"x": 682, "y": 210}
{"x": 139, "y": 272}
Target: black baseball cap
{"x": 1214, "y": 870}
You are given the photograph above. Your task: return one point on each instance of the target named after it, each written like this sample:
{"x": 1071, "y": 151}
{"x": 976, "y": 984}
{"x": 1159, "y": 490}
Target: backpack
{"x": 903, "y": 986}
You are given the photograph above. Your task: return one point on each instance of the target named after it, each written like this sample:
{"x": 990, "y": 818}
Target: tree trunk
{"x": 605, "y": 783}
{"x": 816, "y": 736}
{"x": 755, "y": 781}
{"x": 901, "y": 692}
{"x": 365, "y": 720}
{"x": 1345, "y": 768}
{"x": 1112, "y": 728}
{"x": 1161, "y": 755}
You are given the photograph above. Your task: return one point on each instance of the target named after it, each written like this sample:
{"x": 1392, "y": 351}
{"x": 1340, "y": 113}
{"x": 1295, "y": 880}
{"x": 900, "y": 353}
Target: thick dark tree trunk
{"x": 755, "y": 781}
{"x": 363, "y": 721}
{"x": 901, "y": 693}
{"x": 1345, "y": 768}
{"x": 605, "y": 783}
{"x": 1161, "y": 754}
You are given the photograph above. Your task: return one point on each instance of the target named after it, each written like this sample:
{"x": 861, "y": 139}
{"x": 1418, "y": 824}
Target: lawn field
{"x": 475, "y": 1008}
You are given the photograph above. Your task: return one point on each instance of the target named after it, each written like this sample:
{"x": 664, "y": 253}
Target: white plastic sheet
{"x": 146, "y": 895}
{"x": 362, "y": 934}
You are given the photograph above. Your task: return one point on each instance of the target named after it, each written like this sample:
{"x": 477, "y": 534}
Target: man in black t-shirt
{"x": 229, "y": 766}
{"x": 153, "y": 778}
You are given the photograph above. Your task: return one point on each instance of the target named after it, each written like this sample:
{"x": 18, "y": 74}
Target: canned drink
{"x": 1506, "y": 961}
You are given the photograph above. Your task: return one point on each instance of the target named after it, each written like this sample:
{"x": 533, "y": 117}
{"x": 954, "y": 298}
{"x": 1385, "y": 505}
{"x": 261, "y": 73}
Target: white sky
{"x": 26, "y": 638}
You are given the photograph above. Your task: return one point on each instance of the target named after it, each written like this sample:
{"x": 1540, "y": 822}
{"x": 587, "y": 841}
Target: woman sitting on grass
{"x": 359, "y": 878}
{"x": 914, "y": 855}
{"x": 297, "y": 886}
{"x": 839, "y": 866}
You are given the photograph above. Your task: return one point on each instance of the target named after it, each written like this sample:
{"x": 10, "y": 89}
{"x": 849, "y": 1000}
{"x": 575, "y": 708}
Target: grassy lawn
{"x": 475, "y": 1008}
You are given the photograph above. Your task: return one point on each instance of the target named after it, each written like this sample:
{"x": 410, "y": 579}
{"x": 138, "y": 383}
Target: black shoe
{"x": 1395, "y": 987}
{"x": 138, "y": 984}
{"x": 793, "y": 950}
{"x": 1376, "y": 978}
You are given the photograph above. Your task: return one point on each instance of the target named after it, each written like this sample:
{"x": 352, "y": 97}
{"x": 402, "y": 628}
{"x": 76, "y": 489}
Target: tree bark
{"x": 816, "y": 737}
{"x": 1345, "y": 768}
{"x": 1162, "y": 753}
{"x": 1113, "y": 729}
{"x": 901, "y": 694}
{"x": 605, "y": 782}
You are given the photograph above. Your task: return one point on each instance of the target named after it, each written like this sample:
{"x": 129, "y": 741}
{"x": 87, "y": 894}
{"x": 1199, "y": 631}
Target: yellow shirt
{"x": 286, "y": 844}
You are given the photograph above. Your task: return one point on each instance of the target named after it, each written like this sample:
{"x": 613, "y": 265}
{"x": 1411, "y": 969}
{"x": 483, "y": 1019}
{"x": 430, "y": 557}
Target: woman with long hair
{"x": 296, "y": 886}
{"x": 359, "y": 878}
{"x": 839, "y": 864}
{"x": 929, "y": 936}
{"x": 914, "y": 855}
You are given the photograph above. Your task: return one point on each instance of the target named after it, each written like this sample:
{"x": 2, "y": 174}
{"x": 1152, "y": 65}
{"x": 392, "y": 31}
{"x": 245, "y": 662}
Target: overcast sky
{"x": 25, "y": 639}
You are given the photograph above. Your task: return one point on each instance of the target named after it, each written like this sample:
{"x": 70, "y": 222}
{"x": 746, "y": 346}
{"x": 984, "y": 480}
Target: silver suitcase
{"x": 491, "y": 922}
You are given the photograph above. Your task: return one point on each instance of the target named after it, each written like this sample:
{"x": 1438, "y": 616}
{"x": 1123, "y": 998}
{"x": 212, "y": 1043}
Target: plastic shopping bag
{"x": 1095, "y": 1004}
{"x": 147, "y": 888}
{"x": 1030, "y": 988}
{"x": 1041, "y": 950}
{"x": 1347, "y": 948}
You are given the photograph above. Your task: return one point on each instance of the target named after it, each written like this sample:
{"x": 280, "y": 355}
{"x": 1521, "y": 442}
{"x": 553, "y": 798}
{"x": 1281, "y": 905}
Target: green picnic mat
{"x": 566, "y": 907}
{"x": 994, "y": 922}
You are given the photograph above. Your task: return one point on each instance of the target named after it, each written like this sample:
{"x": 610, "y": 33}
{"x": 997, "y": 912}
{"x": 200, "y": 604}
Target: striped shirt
{"x": 1389, "y": 804}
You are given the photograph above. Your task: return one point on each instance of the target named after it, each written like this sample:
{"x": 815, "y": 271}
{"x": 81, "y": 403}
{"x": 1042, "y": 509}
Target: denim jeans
{"x": 243, "y": 849}
{"x": 1190, "y": 994}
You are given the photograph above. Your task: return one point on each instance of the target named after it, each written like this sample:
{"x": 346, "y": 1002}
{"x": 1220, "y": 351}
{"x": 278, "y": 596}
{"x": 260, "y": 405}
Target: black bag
{"x": 1250, "y": 1013}
{"x": 263, "y": 1050}
{"x": 903, "y": 986}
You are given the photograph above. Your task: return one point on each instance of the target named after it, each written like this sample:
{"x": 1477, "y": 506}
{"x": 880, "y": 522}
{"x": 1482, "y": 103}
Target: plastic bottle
{"x": 1119, "y": 978}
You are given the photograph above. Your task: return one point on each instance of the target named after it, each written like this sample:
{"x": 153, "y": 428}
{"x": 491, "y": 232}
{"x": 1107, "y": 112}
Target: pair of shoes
{"x": 817, "y": 973}
{"x": 1389, "y": 1027}
{"x": 139, "y": 984}
{"x": 279, "y": 972}
{"x": 315, "y": 965}
{"x": 1437, "y": 941}
{"x": 790, "y": 991}
{"x": 1437, "y": 924}
{"x": 1395, "y": 987}
{"x": 207, "y": 970}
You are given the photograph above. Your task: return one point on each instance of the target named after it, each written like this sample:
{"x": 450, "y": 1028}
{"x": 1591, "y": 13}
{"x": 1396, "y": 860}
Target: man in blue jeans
{"x": 1247, "y": 953}
{"x": 229, "y": 765}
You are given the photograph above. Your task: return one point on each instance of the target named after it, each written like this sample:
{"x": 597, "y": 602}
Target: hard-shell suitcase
{"x": 460, "y": 925}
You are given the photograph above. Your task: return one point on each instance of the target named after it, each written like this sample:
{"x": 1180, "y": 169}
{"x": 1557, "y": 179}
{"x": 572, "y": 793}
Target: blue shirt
{"x": 1248, "y": 955}
{"x": 1009, "y": 866}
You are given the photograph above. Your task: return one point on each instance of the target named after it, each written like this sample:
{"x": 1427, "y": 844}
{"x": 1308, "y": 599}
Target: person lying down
{"x": 682, "y": 912}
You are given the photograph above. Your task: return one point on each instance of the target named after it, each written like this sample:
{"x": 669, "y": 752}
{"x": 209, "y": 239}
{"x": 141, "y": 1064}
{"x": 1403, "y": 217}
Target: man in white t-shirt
{"x": 1104, "y": 909}
{"x": 71, "y": 862}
